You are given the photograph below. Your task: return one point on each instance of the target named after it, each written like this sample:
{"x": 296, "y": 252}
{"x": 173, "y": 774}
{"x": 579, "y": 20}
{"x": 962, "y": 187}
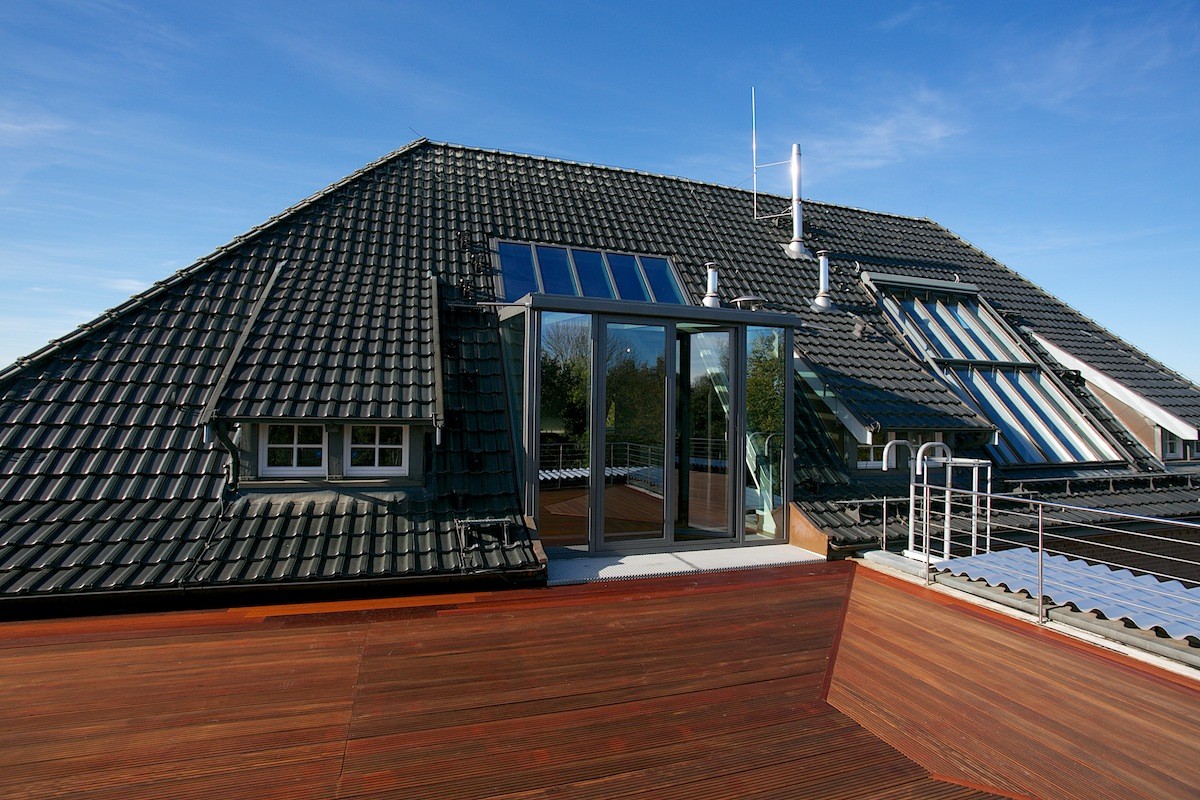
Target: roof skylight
{"x": 547, "y": 269}
{"x": 989, "y": 367}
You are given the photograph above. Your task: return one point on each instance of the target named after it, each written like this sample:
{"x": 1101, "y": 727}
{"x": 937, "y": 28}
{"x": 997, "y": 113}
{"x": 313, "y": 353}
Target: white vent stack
{"x": 796, "y": 247}
{"x": 822, "y": 302}
{"x": 711, "y": 299}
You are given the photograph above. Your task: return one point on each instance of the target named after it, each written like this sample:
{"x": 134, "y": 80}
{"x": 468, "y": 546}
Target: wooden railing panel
{"x": 988, "y": 699}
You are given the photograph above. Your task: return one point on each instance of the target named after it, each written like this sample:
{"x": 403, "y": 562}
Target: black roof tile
{"x": 102, "y": 445}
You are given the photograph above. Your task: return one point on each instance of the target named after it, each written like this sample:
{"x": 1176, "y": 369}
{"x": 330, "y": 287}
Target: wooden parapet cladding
{"x": 701, "y": 686}
{"x": 986, "y": 699}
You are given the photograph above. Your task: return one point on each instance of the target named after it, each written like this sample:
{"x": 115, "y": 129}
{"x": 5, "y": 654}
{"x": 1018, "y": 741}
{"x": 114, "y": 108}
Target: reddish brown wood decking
{"x": 692, "y": 687}
{"x": 984, "y": 698}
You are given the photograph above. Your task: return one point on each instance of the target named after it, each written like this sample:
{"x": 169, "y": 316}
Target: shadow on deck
{"x": 720, "y": 685}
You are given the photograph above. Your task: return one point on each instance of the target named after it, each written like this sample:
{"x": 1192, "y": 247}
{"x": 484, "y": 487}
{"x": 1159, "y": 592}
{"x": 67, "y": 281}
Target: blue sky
{"x": 1062, "y": 138}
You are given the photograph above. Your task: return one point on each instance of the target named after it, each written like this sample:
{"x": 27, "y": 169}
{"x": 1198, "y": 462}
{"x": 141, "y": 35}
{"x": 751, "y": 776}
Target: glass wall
{"x": 643, "y": 431}
{"x": 702, "y": 445}
{"x": 635, "y": 433}
{"x": 766, "y": 382}
{"x": 512, "y": 341}
{"x": 564, "y": 448}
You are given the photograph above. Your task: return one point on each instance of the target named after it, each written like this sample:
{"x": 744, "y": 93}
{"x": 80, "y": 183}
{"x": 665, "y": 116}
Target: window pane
{"x": 628, "y": 277}
{"x": 280, "y": 434}
{"x": 556, "y": 271}
{"x": 362, "y": 457}
{"x": 593, "y": 275}
{"x": 516, "y": 270}
{"x": 391, "y": 457}
{"x": 766, "y": 379}
{"x": 362, "y": 434}
{"x": 391, "y": 435}
{"x": 308, "y": 457}
{"x": 310, "y": 434}
{"x": 279, "y": 456}
{"x": 662, "y": 280}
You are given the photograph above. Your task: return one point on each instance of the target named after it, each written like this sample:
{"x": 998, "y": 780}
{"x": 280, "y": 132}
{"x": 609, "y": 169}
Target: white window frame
{"x": 1171, "y": 445}
{"x": 267, "y": 471}
{"x": 351, "y": 471}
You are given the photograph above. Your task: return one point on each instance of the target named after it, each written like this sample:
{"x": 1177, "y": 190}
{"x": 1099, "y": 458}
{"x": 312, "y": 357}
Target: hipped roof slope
{"x": 331, "y": 311}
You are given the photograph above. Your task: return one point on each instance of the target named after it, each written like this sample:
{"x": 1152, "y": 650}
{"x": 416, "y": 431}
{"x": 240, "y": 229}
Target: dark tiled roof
{"x": 331, "y": 310}
{"x": 852, "y": 513}
{"x": 815, "y": 455}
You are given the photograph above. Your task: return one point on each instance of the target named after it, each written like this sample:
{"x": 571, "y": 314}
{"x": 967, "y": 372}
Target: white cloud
{"x": 903, "y": 17}
{"x": 917, "y": 127}
{"x": 19, "y": 129}
{"x": 1108, "y": 61}
{"x": 128, "y": 286}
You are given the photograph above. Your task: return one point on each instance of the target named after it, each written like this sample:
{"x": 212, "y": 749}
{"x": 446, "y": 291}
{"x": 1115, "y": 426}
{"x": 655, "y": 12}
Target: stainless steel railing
{"x": 1131, "y": 546}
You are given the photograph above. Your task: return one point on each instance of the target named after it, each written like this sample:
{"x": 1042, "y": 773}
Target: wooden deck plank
{"x": 692, "y": 686}
{"x": 991, "y": 700}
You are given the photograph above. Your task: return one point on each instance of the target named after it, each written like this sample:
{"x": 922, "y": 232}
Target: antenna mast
{"x": 754, "y": 156}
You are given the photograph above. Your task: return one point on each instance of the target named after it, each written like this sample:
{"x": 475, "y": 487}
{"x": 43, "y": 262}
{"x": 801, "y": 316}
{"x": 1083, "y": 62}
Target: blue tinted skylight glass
{"x": 628, "y": 277}
{"x": 556, "y": 271}
{"x": 593, "y": 275}
{"x": 516, "y": 270}
{"x": 662, "y": 280}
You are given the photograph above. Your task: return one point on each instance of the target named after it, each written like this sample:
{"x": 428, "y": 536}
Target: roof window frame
{"x": 609, "y": 276}
{"x": 969, "y": 344}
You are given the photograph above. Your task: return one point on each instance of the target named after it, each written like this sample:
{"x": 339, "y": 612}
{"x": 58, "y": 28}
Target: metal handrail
{"x": 1052, "y": 524}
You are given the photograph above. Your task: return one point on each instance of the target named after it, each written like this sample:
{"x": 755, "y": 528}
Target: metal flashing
{"x": 1138, "y": 402}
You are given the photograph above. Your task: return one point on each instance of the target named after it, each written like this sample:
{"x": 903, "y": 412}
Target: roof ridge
{"x": 161, "y": 286}
{"x": 680, "y": 178}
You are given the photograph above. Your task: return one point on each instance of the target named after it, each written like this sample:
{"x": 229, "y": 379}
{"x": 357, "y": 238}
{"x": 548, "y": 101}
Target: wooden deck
{"x": 708, "y": 686}
{"x": 990, "y": 700}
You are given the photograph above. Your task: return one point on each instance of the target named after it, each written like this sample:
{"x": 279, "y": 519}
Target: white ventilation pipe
{"x": 822, "y": 302}
{"x": 711, "y": 299}
{"x": 796, "y": 246}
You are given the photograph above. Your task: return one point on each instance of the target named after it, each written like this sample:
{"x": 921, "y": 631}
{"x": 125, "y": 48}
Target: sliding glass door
{"x": 633, "y": 432}
{"x": 643, "y": 432}
{"x": 704, "y": 500}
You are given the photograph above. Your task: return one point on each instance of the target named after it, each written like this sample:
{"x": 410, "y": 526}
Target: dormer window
{"x": 985, "y": 363}
{"x": 335, "y": 451}
{"x": 578, "y": 272}
{"x": 376, "y": 450}
{"x": 291, "y": 450}
{"x": 1172, "y": 446}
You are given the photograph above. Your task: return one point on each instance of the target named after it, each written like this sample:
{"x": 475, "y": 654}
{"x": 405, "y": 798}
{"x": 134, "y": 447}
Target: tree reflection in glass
{"x": 564, "y": 448}
{"x": 635, "y": 434}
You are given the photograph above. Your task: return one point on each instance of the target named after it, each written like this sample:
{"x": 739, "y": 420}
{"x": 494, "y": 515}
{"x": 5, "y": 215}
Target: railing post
{"x": 988, "y": 524}
{"x": 912, "y": 511}
{"x": 975, "y": 510}
{"x": 883, "y": 532}
{"x": 946, "y": 511}
{"x": 1041, "y": 551}
{"x": 925, "y": 525}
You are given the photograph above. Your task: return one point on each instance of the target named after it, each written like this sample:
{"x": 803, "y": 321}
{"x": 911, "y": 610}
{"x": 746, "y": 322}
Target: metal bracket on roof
{"x": 476, "y": 527}
{"x": 470, "y": 533}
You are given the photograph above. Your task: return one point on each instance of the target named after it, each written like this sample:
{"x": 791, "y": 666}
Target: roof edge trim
{"x": 872, "y": 279}
{"x": 1143, "y": 405}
